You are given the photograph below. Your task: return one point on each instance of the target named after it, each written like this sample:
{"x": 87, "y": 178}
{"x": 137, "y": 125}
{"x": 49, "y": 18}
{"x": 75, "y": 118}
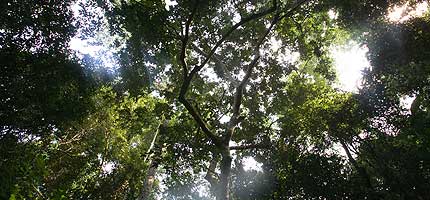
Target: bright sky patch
{"x": 350, "y": 61}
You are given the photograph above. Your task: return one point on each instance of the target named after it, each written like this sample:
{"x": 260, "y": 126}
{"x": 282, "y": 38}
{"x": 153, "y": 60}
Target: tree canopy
{"x": 198, "y": 87}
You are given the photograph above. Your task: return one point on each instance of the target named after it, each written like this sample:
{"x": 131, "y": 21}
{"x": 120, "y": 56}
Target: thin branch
{"x": 239, "y": 90}
{"x": 219, "y": 64}
{"x": 294, "y": 8}
{"x": 228, "y": 33}
{"x": 185, "y": 41}
{"x": 38, "y": 191}
{"x": 250, "y": 146}
{"x": 66, "y": 152}
{"x": 151, "y": 146}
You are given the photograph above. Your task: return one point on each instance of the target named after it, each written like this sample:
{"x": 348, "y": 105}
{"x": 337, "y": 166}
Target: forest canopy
{"x": 180, "y": 94}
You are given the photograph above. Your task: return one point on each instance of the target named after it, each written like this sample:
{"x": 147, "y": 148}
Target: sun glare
{"x": 404, "y": 13}
{"x": 350, "y": 62}
{"x": 249, "y": 163}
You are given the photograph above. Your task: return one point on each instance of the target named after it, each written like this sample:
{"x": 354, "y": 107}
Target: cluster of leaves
{"x": 60, "y": 130}
{"x": 65, "y": 135}
{"x": 104, "y": 152}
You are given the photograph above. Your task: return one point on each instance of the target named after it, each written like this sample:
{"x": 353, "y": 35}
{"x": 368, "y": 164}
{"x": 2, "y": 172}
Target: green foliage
{"x": 311, "y": 176}
{"x": 36, "y": 27}
{"x": 68, "y": 133}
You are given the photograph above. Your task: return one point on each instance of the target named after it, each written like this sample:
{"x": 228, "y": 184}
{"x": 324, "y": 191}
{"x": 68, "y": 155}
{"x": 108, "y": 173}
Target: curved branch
{"x": 196, "y": 116}
{"x": 187, "y": 79}
{"x": 185, "y": 39}
{"x": 228, "y": 33}
{"x": 239, "y": 90}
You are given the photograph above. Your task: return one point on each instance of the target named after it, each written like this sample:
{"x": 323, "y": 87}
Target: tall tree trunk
{"x": 359, "y": 168}
{"x": 149, "y": 181}
{"x": 224, "y": 185}
{"x": 153, "y": 157}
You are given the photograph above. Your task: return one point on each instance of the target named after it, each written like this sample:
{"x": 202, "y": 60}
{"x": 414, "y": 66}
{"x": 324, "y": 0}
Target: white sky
{"x": 402, "y": 14}
{"x": 249, "y": 163}
{"x": 350, "y": 61}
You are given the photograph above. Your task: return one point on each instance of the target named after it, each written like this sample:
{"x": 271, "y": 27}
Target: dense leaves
{"x": 200, "y": 87}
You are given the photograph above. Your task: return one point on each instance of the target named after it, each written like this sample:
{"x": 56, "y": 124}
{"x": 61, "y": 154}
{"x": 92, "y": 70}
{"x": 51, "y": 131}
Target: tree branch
{"x": 228, "y": 33}
{"x": 219, "y": 64}
{"x": 250, "y": 146}
{"x": 196, "y": 116}
{"x": 187, "y": 79}
{"x": 359, "y": 168}
{"x": 294, "y": 8}
{"x": 185, "y": 40}
{"x": 239, "y": 90}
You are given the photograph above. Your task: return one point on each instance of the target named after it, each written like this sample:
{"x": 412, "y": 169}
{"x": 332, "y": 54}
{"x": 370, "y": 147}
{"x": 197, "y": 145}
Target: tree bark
{"x": 224, "y": 186}
{"x": 149, "y": 181}
{"x": 222, "y": 142}
{"x": 359, "y": 168}
{"x": 153, "y": 156}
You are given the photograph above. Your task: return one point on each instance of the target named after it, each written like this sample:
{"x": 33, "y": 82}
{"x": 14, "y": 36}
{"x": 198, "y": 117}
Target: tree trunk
{"x": 224, "y": 185}
{"x": 359, "y": 168}
{"x": 149, "y": 181}
{"x": 154, "y": 157}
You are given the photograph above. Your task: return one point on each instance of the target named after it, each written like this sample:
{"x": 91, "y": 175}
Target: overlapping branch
{"x": 185, "y": 39}
{"x": 229, "y": 32}
{"x": 188, "y": 76}
{"x": 239, "y": 90}
{"x": 187, "y": 80}
{"x": 218, "y": 63}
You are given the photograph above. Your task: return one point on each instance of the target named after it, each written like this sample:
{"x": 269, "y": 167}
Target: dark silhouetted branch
{"x": 239, "y": 90}
{"x": 250, "y": 146}
{"x": 228, "y": 33}
{"x": 187, "y": 80}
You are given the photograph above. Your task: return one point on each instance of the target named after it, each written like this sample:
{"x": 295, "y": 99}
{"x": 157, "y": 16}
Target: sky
{"x": 350, "y": 60}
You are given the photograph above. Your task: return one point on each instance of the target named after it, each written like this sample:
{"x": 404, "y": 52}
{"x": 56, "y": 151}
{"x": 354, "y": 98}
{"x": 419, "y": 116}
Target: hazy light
{"x": 224, "y": 119}
{"x": 83, "y": 47}
{"x": 275, "y": 44}
{"x": 332, "y": 14}
{"x": 249, "y": 163}
{"x": 406, "y": 103}
{"x": 403, "y": 13}
{"x": 103, "y": 53}
{"x": 108, "y": 167}
{"x": 350, "y": 62}
{"x": 169, "y": 3}
{"x": 236, "y": 18}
